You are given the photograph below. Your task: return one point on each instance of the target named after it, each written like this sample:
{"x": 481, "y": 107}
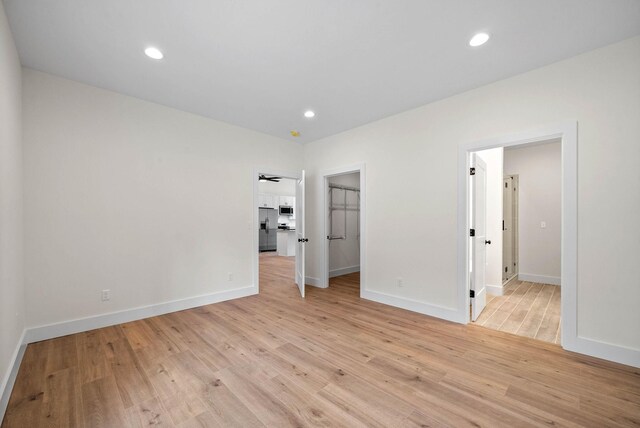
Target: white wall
{"x": 344, "y": 255}
{"x": 494, "y": 160}
{"x": 134, "y": 197}
{"x": 411, "y": 162}
{"x": 12, "y": 308}
{"x": 540, "y": 176}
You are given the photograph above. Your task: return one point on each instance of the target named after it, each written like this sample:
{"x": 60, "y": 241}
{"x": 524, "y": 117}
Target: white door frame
{"x": 324, "y": 262}
{"x": 568, "y": 134}
{"x": 256, "y": 230}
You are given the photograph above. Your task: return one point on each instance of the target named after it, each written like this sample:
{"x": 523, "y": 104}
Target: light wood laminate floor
{"x": 330, "y": 360}
{"x": 526, "y": 309}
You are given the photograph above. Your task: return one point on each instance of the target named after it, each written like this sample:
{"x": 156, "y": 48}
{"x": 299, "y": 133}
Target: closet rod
{"x": 338, "y": 186}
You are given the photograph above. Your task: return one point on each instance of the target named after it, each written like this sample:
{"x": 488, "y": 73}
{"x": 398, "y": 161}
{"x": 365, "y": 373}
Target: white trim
{"x": 568, "y": 133}
{"x": 495, "y": 290}
{"x": 310, "y": 280}
{"x": 254, "y": 209}
{"x": 344, "y": 271}
{"x": 9, "y": 378}
{"x": 449, "y": 314}
{"x": 606, "y": 351}
{"x": 49, "y": 331}
{"x": 542, "y": 279}
{"x": 324, "y": 260}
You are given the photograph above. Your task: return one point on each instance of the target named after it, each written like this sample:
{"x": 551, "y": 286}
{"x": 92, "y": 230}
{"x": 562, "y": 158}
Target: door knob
{"x": 488, "y": 242}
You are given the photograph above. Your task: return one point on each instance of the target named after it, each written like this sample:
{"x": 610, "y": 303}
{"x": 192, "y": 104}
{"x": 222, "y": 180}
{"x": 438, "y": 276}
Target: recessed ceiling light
{"x": 153, "y": 53}
{"x": 309, "y": 114}
{"x": 479, "y": 39}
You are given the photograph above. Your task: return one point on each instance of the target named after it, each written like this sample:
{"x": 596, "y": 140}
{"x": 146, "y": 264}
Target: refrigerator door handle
{"x": 267, "y": 224}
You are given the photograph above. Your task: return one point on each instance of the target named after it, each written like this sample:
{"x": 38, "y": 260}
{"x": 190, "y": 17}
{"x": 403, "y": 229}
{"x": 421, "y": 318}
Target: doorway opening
{"x": 508, "y": 222}
{"x": 279, "y": 226}
{"x": 343, "y": 213}
{"x": 517, "y": 233}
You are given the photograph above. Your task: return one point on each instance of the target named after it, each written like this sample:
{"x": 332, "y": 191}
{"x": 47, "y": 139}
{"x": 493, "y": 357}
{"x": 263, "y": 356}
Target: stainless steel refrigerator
{"x": 268, "y": 222}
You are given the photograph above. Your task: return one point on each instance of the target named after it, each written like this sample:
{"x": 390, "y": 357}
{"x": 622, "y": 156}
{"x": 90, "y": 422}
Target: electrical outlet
{"x": 106, "y": 295}
{"x": 230, "y": 276}
{"x": 400, "y": 282}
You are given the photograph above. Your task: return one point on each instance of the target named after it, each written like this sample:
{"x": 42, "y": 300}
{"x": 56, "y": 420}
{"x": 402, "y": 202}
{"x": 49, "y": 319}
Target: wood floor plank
{"x": 501, "y": 314}
{"x": 331, "y": 359}
{"x": 63, "y": 353}
{"x": 533, "y": 318}
{"x": 252, "y": 393}
{"x": 167, "y": 379}
{"x": 225, "y": 406}
{"x": 548, "y": 330}
{"x": 527, "y": 309}
{"x": 183, "y": 407}
{"x": 313, "y": 409}
{"x": 514, "y": 321}
{"x": 148, "y": 413}
{"x": 92, "y": 360}
{"x": 26, "y": 401}
{"x": 102, "y": 406}
{"x": 62, "y": 403}
{"x": 133, "y": 383}
{"x": 138, "y": 334}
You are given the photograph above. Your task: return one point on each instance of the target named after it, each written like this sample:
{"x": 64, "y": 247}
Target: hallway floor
{"x": 527, "y": 309}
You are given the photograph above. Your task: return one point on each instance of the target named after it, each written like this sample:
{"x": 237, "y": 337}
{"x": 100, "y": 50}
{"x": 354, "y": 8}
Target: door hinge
{"x": 506, "y": 186}
{"x": 505, "y": 269}
{"x": 472, "y": 171}
{"x": 472, "y": 232}
{"x": 472, "y": 293}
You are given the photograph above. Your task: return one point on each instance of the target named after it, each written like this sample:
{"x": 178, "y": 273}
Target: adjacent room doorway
{"x": 526, "y": 303}
{"x": 279, "y": 229}
{"x": 343, "y": 212}
{"x": 517, "y": 288}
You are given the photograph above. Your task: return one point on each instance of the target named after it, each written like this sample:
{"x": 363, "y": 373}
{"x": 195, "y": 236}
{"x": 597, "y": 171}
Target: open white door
{"x": 479, "y": 235}
{"x": 299, "y": 212}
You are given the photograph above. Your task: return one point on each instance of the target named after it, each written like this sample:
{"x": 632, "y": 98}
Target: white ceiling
{"x": 260, "y": 64}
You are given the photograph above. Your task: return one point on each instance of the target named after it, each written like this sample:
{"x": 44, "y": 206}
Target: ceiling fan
{"x": 264, "y": 178}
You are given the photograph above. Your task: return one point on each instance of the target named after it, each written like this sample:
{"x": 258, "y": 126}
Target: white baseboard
{"x": 36, "y": 334}
{"x": 310, "y": 280}
{"x": 10, "y": 376}
{"x": 414, "y": 305}
{"x": 606, "y": 351}
{"x": 542, "y": 279}
{"x": 496, "y": 290}
{"x": 344, "y": 271}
